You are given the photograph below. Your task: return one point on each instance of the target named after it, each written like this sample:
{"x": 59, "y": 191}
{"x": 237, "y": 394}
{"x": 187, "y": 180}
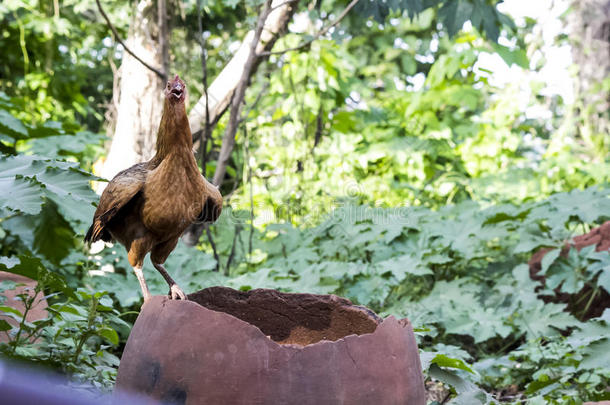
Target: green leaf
{"x": 109, "y": 334}
{"x": 530, "y": 242}
{"x": 33, "y": 267}
{"x": 604, "y": 278}
{"x": 5, "y": 326}
{"x": 68, "y": 183}
{"x": 588, "y": 206}
{"x": 21, "y": 195}
{"x": 538, "y": 385}
{"x": 369, "y": 289}
{"x": 515, "y": 56}
{"x": 47, "y": 129}
{"x": 29, "y": 165}
{"x": 393, "y": 230}
{"x": 454, "y": 14}
{"x": 57, "y": 181}
{"x": 27, "y": 266}
{"x": 11, "y": 310}
{"x": 12, "y": 125}
{"x": 452, "y": 379}
{"x": 26, "y": 180}
{"x": 53, "y": 236}
{"x": 8, "y": 262}
{"x": 402, "y": 265}
{"x": 473, "y": 397}
{"x": 490, "y": 23}
{"x": 539, "y": 319}
{"x": 444, "y": 361}
{"x": 77, "y": 212}
{"x": 548, "y": 259}
{"x": 476, "y": 18}
{"x": 65, "y": 145}
{"x": 596, "y": 354}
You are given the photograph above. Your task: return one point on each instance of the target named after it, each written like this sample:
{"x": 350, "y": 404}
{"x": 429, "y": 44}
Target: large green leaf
{"x": 69, "y": 183}
{"x": 47, "y": 233}
{"x": 47, "y": 129}
{"x": 25, "y": 182}
{"x": 21, "y": 194}
{"x": 451, "y": 378}
{"x": 65, "y": 145}
{"x": 11, "y": 125}
{"x": 588, "y": 206}
{"x": 402, "y": 265}
{"x": 30, "y": 165}
{"x": 454, "y": 14}
{"x": 597, "y": 355}
{"x": 23, "y": 165}
{"x": 445, "y": 361}
{"x": 542, "y": 319}
{"x": 53, "y": 236}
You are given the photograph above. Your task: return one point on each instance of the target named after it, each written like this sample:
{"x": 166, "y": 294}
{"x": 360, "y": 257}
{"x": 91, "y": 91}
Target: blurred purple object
{"x": 20, "y": 384}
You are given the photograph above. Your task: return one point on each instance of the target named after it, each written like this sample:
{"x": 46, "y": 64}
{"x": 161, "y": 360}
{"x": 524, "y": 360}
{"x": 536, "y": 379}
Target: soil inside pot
{"x": 301, "y": 319}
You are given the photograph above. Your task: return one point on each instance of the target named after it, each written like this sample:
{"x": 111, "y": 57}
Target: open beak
{"x": 177, "y": 88}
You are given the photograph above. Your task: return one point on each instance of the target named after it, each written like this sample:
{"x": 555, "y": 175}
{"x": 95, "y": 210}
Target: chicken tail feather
{"x": 96, "y": 232}
{"x": 89, "y": 235}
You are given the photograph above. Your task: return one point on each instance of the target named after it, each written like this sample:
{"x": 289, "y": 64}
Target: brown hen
{"x": 148, "y": 206}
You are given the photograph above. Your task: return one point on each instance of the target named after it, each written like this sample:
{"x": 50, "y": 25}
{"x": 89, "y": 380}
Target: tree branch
{"x": 205, "y": 135}
{"x": 323, "y": 31}
{"x": 232, "y": 253}
{"x": 214, "y": 250}
{"x": 217, "y": 99}
{"x": 249, "y": 180}
{"x": 163, "y": 34}
{"x": 253, "y": 105}
{"x": 222, "y": 89}
{"x": 158, "y": 72}
{"x": 228, "y": 140}
{"x": 282, "y": 4}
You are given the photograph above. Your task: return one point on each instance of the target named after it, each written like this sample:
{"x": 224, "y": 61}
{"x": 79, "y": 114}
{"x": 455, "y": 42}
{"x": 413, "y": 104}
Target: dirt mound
{"x": 578, "y": 304}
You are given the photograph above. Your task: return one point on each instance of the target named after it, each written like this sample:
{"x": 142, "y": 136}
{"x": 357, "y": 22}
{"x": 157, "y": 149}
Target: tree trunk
{"x": 590, "y": 26}
{"x": 140, "y": 99}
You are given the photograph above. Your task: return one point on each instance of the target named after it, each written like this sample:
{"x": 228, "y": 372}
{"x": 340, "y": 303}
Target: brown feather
{"x": 121, "y": 189}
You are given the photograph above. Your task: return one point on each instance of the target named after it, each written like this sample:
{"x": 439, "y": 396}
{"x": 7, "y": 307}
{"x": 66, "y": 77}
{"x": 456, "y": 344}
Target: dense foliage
{"x": 379, "y": 164}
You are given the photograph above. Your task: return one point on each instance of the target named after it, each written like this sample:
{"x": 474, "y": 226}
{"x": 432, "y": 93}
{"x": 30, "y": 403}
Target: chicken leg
{"x": 143, "y": 286}
{"x": 175, "y": 292}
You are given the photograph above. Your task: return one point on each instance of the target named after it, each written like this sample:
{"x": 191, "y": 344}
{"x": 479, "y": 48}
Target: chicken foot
{"x": 143, "y": 286}
{"x": 175, "y": 292}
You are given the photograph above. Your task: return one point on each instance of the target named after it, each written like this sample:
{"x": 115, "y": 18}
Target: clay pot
{"x": 38, "y": 311}
{"x": 578, "y": 302}
{"x": 265, "y": 347}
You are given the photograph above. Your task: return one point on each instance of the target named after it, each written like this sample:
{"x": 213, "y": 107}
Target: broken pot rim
{"x": 391, "y": 320}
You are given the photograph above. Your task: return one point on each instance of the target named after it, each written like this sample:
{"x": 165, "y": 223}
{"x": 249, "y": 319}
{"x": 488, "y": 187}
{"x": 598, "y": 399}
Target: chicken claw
{"x": 176, "y": 292}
